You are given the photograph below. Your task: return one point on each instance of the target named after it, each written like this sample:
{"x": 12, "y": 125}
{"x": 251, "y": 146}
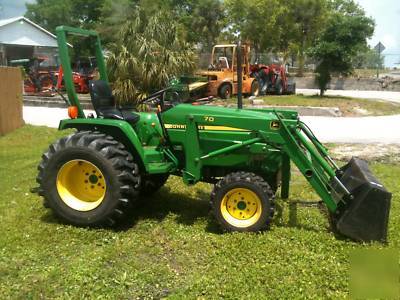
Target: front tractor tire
{"x": 242, "y": 201}
{"x": 88, "y": 179}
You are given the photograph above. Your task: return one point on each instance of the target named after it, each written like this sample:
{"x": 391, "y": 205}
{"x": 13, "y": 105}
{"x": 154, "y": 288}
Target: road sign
{"x": 379, "y": 47}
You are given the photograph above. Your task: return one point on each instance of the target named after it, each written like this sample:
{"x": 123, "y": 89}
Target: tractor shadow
{"x": 187, "y": 209}
{"x": 292, "y": 219}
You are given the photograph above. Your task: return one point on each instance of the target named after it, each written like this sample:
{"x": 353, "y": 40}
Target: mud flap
{"x": 365, "y": 215}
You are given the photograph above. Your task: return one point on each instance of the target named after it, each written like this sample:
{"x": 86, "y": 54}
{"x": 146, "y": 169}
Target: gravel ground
{"x": 385, "y": 153}
{"x": 384, "y": 129}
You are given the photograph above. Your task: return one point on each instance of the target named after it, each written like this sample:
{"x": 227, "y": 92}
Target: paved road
{"x": 385, "y": 129}
{"x": 381, "y": 95}
{"x": 393, "y": 74}
{"x": 46, "y": 116}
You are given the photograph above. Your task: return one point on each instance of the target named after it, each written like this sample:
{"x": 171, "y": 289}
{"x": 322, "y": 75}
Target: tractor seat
{"x": 104, "y": 103}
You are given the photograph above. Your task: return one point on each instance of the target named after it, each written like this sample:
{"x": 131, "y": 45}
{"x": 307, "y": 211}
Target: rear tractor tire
{"x": 225, "y": 91}
{"x": 255, "y": 88}
{"x": 242, "y": 201}
{"x": 279, "y": 87}
{"x": 88, "y": 179}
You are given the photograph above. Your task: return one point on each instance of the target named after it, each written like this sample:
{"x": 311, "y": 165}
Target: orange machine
{"x": 222, "y": 72}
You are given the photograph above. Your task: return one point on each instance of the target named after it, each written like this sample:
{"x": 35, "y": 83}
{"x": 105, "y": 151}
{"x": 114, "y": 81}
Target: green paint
{"x": 208, "y": 142}
{"x": 62, "y": 32}
{"x": 93, "y": 179}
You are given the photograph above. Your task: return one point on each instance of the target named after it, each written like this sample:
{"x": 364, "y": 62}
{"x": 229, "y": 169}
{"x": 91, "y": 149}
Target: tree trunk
{"x": 285, "y": 57}
{"x": 301, "y": 57}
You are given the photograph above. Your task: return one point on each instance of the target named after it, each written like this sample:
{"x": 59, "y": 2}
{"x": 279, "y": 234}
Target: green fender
{"x": 119, "y": 129}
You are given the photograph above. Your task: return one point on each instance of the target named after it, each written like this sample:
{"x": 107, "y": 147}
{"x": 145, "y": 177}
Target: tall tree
{"x": 79, "y": 13}
{"x": 255, "y": 21}
{"x": 202, "y": 20}
{"x": 368, "y": 58}
{"x": 147, "y": 54}
{"x": 279, "y": 26}
{"x": 197, "y": 21}
{"x": 50, "y": 13}
{"x": 114, "y": 13}
{"x": 345, "y": 33}
{"x": 304, "y": 21}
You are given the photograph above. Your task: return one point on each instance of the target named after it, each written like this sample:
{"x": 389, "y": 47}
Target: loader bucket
{"x": 365, "y": 215}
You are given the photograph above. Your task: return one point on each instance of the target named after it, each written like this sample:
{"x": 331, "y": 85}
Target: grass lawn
{"x": 348, "y": 106}
{"x": 170, "y": 247}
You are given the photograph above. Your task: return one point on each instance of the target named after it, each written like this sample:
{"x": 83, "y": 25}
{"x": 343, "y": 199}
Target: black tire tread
{"x": 240, "y": 177}
{"x": 252, "y": 92}
{"x": 279, "y": 87}
{"x": 221, "y": 93}
{"x": 115, "y": 152}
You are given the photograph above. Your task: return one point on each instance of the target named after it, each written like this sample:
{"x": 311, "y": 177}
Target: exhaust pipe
{"x": 239, "y": 75}
{"x": 364, "y": 214}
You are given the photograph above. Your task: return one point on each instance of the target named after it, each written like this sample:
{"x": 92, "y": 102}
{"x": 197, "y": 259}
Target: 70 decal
{"x": 208, "y": 119}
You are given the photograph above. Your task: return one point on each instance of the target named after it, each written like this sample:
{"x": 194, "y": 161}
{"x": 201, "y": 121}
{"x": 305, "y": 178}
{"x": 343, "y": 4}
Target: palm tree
{"x": 147, "y": 55}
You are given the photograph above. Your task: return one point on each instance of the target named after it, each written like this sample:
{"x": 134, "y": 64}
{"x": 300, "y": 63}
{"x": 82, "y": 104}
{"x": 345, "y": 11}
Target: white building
{"x": 20, "y": 38}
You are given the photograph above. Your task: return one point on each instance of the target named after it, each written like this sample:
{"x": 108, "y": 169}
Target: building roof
{"x": 12, "y": 33}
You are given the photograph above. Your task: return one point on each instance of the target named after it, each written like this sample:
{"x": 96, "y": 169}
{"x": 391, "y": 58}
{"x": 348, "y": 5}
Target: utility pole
{"x": 239, "y": 75}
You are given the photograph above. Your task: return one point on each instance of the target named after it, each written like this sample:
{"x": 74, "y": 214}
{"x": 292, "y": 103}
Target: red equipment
{"x": 272, "y": 79}
{"x": 38, "y": 79}
{"x": 81, "y": 81}
{"x": 41, "y": 84}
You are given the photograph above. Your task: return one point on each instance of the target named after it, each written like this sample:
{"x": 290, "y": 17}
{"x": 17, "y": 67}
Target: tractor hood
{"x": 215, "y": 114}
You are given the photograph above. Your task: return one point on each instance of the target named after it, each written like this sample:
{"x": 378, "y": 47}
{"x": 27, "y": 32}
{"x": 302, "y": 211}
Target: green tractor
{"x": 93, "y": 177}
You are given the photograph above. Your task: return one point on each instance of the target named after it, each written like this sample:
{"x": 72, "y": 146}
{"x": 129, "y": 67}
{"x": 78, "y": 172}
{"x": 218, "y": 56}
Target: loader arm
{"x": 358, "y": 203}
{"x": 287, "y": 135}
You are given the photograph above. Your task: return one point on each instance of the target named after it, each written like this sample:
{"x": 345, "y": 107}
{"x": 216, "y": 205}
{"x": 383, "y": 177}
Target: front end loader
{"x": 93, "y": 176}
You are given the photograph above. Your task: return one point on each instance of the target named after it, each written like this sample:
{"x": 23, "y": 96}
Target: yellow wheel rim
{"x": 81, "y": 185}
{"x": 241, "y": 207}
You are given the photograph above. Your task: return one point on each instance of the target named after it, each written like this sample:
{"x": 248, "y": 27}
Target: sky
{"x": 386, "y": 14}
{"x": 13, "y": 8}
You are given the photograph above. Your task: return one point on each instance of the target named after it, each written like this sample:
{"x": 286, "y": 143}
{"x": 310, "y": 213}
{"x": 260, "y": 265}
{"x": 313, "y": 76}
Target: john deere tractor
{"x": 93, "y": 176}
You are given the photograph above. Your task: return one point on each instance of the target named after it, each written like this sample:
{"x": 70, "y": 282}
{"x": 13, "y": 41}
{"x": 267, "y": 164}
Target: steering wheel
{"x": 158, "y": 99}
